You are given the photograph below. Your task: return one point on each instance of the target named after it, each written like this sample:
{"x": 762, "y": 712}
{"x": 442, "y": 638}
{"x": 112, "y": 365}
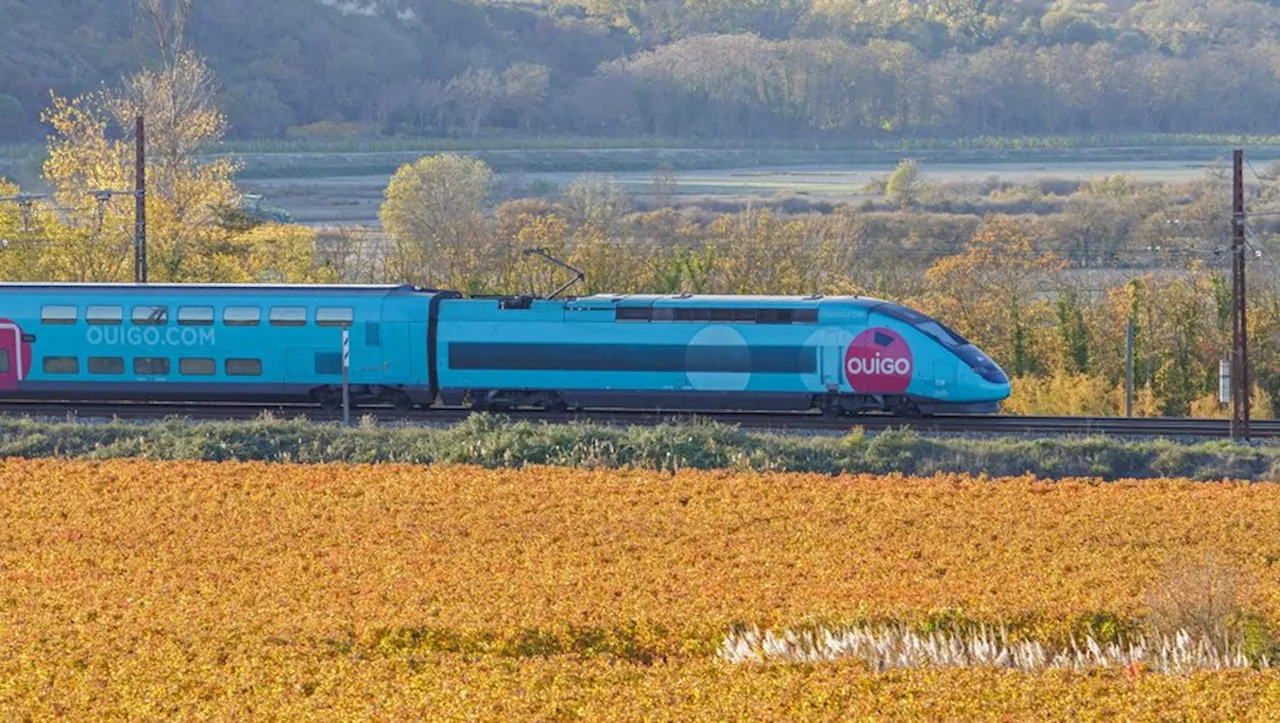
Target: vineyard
{"x": 144, "y": 589}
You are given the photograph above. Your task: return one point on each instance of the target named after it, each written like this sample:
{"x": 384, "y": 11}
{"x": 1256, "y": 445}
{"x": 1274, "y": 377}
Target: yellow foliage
{"x": 1061, "y": 394}
{"x": 279, "y": 253}
{"x": 233, "y": 590}
{"x": 1145, "y": 402}
{"x": 90, "y": 238}
{"x": 434, "y": 214}
{"x": 1208, "y": 406}
{"x": 990, "y": 291}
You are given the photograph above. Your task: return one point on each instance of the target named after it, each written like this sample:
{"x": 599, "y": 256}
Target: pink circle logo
{"x": 878, "y": 362}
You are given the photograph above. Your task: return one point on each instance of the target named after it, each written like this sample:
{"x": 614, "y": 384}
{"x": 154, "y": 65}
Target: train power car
{"x": 836, "y": 354}
{"x": 414, "y": 347}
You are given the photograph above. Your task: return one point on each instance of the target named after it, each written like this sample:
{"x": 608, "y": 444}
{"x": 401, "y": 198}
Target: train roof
{"x": 727, "y": 300}
{"x": 374, "y": 289}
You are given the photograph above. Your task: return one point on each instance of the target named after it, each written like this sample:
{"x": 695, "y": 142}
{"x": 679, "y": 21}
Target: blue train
{"x": 415, "y": 347}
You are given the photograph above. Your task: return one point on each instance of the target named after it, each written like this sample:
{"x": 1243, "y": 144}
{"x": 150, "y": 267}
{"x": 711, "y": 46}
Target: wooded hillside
{"x": 721, "y": 68}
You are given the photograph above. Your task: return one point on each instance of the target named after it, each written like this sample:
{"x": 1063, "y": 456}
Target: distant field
{"x": 341, "y": 181}
{"x": 354, "y": 198}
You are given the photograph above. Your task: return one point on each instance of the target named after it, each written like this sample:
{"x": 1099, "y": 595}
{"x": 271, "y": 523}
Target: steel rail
{"x": 1121, "y": 426}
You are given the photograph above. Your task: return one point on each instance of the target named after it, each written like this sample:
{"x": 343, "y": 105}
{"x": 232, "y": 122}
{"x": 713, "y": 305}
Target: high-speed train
{"x": 418, "y": 347}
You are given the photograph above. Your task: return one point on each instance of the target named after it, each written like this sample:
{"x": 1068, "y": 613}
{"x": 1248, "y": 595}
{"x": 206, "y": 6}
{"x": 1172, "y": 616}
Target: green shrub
{"x": 497, "y": 441}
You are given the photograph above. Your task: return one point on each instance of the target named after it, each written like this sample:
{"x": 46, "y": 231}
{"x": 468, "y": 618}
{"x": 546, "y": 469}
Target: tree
{"x": 989, "y": 293}
{"x": 665, "y": 181}
{"x": 524, "y": 89}
{"x": 434, "y": 213}
{"x": 906, "y": 186}
{"x": 475, "y": 91}
{"x": 186, "y": 197}
{"x": 596, "y": 204}
{"x": 91, "y": 164}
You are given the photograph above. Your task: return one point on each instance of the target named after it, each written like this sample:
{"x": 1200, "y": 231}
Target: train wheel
{"x": 906, "y": 409}
{"x": 401, "y": 402}
{"x": 330, "y": 402}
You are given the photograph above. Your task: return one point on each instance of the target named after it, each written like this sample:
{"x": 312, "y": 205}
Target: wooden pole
{"x": 140, "y": 204}
{"x": 1239, "y": 319}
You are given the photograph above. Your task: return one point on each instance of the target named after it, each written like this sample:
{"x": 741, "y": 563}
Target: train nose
{"x": 983, "y": 365}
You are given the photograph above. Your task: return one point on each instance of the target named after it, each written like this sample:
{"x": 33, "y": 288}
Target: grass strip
{"x": 496, "y": 441}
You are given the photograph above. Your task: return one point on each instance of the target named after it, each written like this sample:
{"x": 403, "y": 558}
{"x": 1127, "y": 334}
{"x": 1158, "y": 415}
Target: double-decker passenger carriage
{"x": 416, "y": 347}
{"x": 215, "y": 343}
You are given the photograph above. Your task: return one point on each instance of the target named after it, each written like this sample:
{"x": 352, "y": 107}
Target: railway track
{"x": 1136, "y": 426}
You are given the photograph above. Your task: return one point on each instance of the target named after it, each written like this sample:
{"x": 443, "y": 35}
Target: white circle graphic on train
{"x": 149, "y": 336}
{"x": 827, "y": 345}
{"x": 718, "y": 381}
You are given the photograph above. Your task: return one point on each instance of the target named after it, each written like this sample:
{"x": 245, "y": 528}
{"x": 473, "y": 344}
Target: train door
{"x": 388, "y": 342}
{"x": 831, "y": 361}
{"x": 12, "y": 365}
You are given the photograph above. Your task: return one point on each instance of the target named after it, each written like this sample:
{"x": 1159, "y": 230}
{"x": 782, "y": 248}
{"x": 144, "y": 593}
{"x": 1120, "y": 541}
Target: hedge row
{"x": 496, "y": 441}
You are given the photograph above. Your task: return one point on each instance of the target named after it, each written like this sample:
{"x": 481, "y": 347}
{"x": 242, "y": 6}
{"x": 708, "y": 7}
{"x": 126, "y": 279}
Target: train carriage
{"x": 214, "y": 342}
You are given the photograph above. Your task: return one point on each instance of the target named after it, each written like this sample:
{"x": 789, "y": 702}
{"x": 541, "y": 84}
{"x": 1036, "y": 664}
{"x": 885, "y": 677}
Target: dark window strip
{"x": 633, "y": 358}
{"x": 717, "y": 314}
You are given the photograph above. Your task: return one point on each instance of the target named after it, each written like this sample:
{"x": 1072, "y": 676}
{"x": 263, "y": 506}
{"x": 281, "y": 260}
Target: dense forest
{"x": 685, "y": 68}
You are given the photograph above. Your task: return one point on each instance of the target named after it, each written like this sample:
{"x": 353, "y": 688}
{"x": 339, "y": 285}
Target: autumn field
{"x": 148, "y": 589}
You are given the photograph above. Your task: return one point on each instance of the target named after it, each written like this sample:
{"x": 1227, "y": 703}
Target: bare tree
{"x": 168, "y": 19}
{"x": 475, "y": 92}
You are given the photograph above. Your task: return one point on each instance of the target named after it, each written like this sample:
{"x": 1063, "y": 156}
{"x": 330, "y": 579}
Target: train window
{"x": 634, "y": 313}
{"x": 150, "y": 315}
{"x": 241, "y": 316}
{"x": 941, "y": 334}
{"x": 724, "y": 315}
{"x": 334, "y": 316}
{"x": 58, "y": 314}
{"x": 4, "y": 361}
{"x": 372, "y": 334}
{"x": 106, "y": 365}
{"x": 328, "y": 363}
{"x": 104, "y": 314}
{"x": 60, "y": 365}
{"x": 150, "y": 366}
{"x": 288, "y": 315}
{"x": 197, "y": 367}
{"x": 244, "y": 367}
{"x": 195, "y": 315}
{"x": 693, "y": 314}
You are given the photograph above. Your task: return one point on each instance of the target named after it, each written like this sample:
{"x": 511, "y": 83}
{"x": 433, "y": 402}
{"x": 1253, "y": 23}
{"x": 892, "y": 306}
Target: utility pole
{"x": 139, "y": 194}
{"x": 1239, "y": 320}
{"x": 140, "y": 204}
{"x": 1128, "y": 368}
